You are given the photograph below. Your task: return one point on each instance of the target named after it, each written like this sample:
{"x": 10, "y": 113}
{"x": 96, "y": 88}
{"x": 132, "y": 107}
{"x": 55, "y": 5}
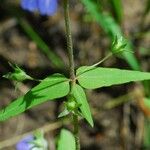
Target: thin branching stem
{"x": 71, "y": 67}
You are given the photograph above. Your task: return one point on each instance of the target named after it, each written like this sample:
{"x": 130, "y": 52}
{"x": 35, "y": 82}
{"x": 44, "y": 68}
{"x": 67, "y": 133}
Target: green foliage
{"x": 108, "y": 24}
{"x": 64, "y": 113}
{"x": 102, "y": 77}
{"x": 118, "y": 9}
{"x": 54, "y": 86}
{"x": 80, "y": 97}
{"x": 66, "y": 141}
{"x": 90, "y": 77}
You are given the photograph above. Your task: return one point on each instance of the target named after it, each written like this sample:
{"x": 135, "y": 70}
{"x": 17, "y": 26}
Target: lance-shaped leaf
{"x": 66, "y": 141}
{"x": 96, "y": 77}
{"x": 52, "y": 87}
{"x": 80, "y": 97}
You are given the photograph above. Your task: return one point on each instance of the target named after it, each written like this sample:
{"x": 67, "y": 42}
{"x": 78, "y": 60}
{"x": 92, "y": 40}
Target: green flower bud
{"x": 71, "y": 107}
{"x": 119, "y": 44}
{"x": 18, "y": 74}
{"x": 71, "y": 104}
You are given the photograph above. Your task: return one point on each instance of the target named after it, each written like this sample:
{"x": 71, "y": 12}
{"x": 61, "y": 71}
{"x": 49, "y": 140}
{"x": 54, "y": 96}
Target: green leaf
{"x": 66, "y": 140}
{"x": 64, "y": 113}
{"x": 54, "y": 86}
{"x": 80, "y": 97}
{"x": 102, "y": 77}
{"x": 118, "y": 9}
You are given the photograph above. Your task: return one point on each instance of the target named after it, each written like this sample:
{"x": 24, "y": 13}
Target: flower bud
{"x": 119, "y": 44}
{"x": 71, "y": 104}
{"x": 18, "y": 74}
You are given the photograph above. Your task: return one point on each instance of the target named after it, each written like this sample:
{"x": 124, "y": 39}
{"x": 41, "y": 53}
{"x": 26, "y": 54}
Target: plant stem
{"x": 76, "y": 131}
{"x": 69, "y": 39}
{"x": 71, "y": 67}
{"x": 101, "y": 61}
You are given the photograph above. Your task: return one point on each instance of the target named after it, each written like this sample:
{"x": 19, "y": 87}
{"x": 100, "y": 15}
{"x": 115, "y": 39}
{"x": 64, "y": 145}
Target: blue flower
{"x": 34, "y": 142}
{"x": 25, "y": 144}
{"x": 45, "y": 7}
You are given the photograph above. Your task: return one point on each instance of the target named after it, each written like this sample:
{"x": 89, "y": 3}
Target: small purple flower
{"x": 45, "y": 7}
{"x": 25, "y": 144}
{"x": 34, "y": 142}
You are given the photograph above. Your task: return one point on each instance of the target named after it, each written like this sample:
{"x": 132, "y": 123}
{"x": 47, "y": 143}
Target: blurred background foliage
{"x": 37, "y": 44}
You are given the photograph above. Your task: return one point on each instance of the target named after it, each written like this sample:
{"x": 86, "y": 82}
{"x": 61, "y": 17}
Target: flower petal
{"x": 47, "y": 7}
{"x": 30, "y": 5}
{"x": 24, "y": 144}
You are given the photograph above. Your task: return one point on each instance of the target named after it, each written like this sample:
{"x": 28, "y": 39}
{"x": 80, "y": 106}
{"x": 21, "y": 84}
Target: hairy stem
{"x": 76, "y": 131}
{"x": 71, "y": 67}
{"x": 69, "y": 39}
